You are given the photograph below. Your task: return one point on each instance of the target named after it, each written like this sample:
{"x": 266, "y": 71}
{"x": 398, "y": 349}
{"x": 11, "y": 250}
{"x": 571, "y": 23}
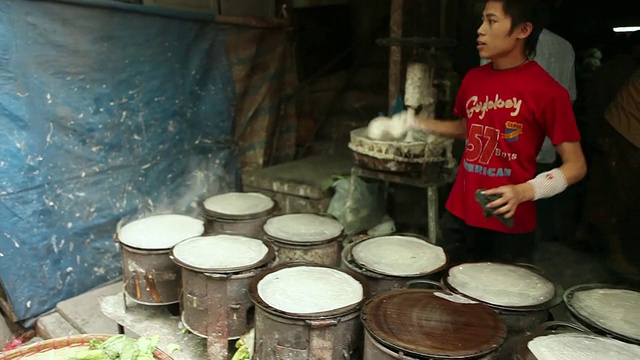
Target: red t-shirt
{"x": 508, "y": 114}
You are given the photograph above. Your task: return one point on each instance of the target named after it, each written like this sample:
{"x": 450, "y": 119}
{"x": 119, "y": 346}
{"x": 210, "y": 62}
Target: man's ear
{"x": 524, "y": 30}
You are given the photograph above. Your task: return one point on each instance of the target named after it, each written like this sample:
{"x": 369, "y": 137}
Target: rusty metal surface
{"x": 150, "y": 276}
{"x": 282, "y": 338}
{"x": 323, "y": 254}
{"x": 250, "y": 227}
{"x": 217, "y": 320}
{"x": 195, "y": 301}
{"x": 416, "y": 321}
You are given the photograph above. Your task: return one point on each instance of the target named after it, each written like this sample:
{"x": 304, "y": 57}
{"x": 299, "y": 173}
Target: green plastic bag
{"x": 357, "y": 203}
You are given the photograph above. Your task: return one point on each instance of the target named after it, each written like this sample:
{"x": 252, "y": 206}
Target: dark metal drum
{"x": 149, "y": 275}
{"x": 216, "y": 271}
{"x": 239, "y": 213}
{"x": 307, "y": 311}
{"x": 309, "y": 237}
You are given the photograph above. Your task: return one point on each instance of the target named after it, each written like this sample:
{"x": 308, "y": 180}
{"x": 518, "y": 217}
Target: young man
{"x": 506, "y": 109}
{"x": 556, "y": 55}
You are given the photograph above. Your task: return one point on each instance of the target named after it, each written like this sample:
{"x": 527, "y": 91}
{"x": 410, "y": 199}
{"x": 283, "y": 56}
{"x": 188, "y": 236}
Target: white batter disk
{"x": 238, "y": 203}
{"x": 303, "y": 228}
{"x": 501, "y": 284}
{"x": 570, "y": 346}
{"x": 617, "y": 310}
{"x": 220, "y": 252}
{"x": 309, "y": 289}
{"x": 399, "y": 255}
{"x": 160, "y": 232}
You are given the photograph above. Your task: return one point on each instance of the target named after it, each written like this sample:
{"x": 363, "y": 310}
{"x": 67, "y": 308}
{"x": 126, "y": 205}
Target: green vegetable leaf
{"x": 173, "y": 347}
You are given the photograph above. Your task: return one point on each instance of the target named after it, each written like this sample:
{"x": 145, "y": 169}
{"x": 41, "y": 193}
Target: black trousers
{"x": 464, "y": 243}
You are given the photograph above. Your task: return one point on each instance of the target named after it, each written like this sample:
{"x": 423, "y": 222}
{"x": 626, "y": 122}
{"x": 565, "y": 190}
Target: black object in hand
{"x": 484, "y": 200}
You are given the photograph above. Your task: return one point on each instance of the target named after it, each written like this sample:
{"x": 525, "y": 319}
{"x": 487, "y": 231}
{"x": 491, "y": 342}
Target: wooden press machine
{"x": 420, "y": 160}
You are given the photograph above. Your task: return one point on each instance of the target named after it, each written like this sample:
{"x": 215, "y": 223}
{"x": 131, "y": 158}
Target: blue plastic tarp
{"x": 104, "y": 112}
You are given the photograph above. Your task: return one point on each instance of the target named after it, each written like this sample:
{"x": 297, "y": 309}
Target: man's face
{"x": 495, "y": 38}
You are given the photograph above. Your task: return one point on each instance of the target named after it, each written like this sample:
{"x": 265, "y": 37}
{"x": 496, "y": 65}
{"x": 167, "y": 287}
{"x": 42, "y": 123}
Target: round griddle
{"x": 267, "y": 258}
{"x": 555, "y": 300}
{"x": 423, "y": 323}
{"x": 262, "y": 304}
{"x": 216, "y": 215}
{"x": 522, "y": 351}
{"x": 298, "y": 242}
{"x": 589, "y": 323}
{"x": 412, "y": 237}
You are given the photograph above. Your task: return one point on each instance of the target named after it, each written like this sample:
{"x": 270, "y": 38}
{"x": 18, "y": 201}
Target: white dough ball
{"x": 377, "y": 127}
{"x": 396, "y": 129}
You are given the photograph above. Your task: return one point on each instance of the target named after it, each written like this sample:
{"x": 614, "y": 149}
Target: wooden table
{"x": 431, "y": 183}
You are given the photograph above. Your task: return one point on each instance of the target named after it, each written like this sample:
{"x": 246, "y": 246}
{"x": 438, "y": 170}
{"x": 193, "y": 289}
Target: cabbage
{"x": 119, "y": 347}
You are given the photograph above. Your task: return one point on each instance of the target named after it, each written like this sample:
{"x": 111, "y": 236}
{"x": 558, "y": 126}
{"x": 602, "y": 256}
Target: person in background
{"x": 607, "y": 80}
{"x": 556, "y": 55}
{"x": 621, "y": 60}
{"x": 613, "y": 200}
{"x": 505, "y": 109}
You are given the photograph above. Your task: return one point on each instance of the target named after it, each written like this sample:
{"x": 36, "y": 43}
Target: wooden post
{"x": 395, "y": 52}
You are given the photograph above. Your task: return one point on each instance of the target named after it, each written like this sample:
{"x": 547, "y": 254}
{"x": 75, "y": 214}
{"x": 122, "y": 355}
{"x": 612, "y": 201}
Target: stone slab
{"x": 145, "y": 320}
{"x": 53, "y": 326}
{"x": 6, "y": 335}
{"x": 288, "y": 204}
{"x": 83, "y": 311}
{"x": 305, "y": 178}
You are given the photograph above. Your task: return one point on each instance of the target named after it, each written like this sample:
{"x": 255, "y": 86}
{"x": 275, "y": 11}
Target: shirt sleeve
{"x": 558, "y": 118}
{"x": 459, "y": 108}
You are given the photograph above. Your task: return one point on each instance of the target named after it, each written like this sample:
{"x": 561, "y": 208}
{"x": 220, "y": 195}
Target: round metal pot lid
{"x": 506, "y": 286}
{"x": 159, "y": 232}
{"x": 221, "y": 253}
{"x": 399, "y": 255}
{"x": 238, "y": 205}
{"x": 614, "y": 310}
{"x": 578, "y": 346}
{"x": 306, "y": 290}
{"x": 433, "y": 323}
{"x": 303, "y": 228}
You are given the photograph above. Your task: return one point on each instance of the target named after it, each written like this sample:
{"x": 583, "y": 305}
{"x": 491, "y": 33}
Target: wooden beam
{"x": 395, "y": 52}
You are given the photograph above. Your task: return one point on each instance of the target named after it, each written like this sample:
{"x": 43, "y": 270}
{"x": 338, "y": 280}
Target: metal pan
{"x": 554, "y": 301}
{"x": 522, "y": 351}
{"x": 588, "y": 323}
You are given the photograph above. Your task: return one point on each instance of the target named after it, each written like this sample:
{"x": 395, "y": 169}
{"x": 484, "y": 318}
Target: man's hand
{"x": 510, "y": 197}
{"x": 404, "y": 120}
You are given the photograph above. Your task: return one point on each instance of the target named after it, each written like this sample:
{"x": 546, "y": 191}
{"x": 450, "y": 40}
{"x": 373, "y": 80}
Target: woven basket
{"x": 61, "y": 348}
{"x": 402, "y": 151}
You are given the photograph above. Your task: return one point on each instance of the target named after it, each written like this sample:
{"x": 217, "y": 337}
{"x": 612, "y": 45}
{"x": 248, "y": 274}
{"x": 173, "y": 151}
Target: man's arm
{"x": 456, "y": 129}
{"x": 573, "y": 169}
{"x": 574, "y": 166}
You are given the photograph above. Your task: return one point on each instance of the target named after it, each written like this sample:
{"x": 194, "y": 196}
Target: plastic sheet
{"x": 104, "y": 113}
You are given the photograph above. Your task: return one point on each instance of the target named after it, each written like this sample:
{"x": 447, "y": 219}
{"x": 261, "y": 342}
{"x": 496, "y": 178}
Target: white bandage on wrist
{"x": 548, "y": 184}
